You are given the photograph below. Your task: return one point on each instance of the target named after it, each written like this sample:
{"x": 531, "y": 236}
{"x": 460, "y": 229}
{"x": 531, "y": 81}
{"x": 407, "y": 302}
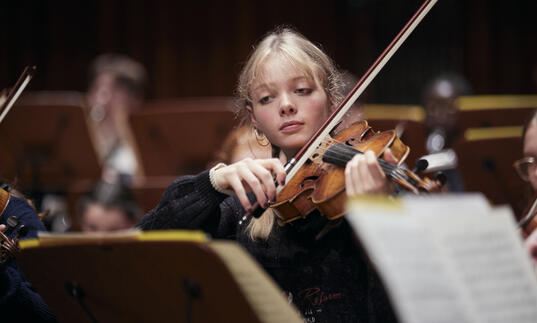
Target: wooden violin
{"x": 9, "y": 247}
{"x": 320, "y": 183}
{"x": 295, "y": 198}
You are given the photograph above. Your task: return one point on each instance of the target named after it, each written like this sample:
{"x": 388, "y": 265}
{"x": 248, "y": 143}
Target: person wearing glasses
{"x": 527, "y": 169}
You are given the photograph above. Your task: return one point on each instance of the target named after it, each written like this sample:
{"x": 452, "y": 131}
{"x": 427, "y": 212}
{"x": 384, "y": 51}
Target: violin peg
{"x": 421, "y": 165}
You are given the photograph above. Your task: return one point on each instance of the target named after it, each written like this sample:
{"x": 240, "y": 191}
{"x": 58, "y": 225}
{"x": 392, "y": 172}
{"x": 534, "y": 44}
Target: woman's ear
{"x": 251, "y": 114}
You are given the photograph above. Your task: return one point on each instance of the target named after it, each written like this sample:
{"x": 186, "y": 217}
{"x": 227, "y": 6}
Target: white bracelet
{"x": 213, "y": 182}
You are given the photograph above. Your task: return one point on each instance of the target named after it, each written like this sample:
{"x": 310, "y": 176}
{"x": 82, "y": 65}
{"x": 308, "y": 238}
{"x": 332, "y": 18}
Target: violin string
{"x": 387, "y": 170}
{"x": 343, "y": 153}
{"x": 349, "y": 152}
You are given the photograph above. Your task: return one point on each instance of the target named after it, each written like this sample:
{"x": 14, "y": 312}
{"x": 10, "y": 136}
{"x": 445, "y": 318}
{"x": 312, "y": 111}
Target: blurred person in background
{"x": 109, "y": 206}
{"x": 526, "y": 167}
{"x": 439, "y": 102}
{"x": 117, "y": 86}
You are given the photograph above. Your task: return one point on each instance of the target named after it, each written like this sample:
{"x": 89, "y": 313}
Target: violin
{"x": 311, "y": 190}
{"x": 9, "y": 247}
{"x": 320, "y": 183}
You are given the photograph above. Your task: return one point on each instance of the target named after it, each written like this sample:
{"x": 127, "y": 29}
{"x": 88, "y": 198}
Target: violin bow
{"x": 302, "y": 156}
{"x": 16, "y": 90}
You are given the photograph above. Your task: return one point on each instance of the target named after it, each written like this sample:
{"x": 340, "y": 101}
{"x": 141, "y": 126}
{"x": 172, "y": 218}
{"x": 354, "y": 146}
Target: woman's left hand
{"x": 363, "y": 174}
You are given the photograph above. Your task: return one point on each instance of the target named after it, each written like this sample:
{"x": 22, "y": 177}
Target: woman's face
{"x": 530, "y": 150}
{"x": 288, "y": 107}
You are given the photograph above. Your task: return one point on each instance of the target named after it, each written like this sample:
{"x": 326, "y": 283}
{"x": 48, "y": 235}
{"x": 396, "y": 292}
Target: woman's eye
{"x": 303, "y": 91}
{"x": 264, "y": 100}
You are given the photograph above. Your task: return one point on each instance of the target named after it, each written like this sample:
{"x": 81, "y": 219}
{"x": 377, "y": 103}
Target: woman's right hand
{"x": 255, "y": 175}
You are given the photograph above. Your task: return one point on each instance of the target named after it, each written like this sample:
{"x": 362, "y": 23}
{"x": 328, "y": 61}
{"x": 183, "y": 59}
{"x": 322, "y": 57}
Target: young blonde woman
{"x": 287, "y": 89}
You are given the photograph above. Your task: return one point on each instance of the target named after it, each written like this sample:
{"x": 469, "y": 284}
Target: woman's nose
{"x": 287, "y": 106}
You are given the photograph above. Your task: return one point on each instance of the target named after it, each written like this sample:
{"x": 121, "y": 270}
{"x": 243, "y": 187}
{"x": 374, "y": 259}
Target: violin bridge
{"x": 317, "y": 155}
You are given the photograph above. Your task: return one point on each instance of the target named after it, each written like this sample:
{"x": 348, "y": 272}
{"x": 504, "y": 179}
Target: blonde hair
{"x": 297, "y": 50}
{"x": 306, "y": 57}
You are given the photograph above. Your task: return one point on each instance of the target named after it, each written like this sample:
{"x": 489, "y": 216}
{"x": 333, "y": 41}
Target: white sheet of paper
{"x": 448, "y": 258}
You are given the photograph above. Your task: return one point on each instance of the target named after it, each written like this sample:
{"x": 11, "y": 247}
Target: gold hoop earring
{"x": 260, "y": 138}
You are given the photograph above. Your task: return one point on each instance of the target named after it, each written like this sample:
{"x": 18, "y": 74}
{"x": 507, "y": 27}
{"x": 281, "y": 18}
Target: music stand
{"x": 494, "y": 110}
{"x": 192, "y": 103}
{"x": 176, "y": 141}
{"x": 153, "y": 279}
{"x": 486, "y": 165}
{"x": 47, "y": 147}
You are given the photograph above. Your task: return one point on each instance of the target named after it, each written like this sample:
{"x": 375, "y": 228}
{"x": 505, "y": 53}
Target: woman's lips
{"x": 291, "y": 126}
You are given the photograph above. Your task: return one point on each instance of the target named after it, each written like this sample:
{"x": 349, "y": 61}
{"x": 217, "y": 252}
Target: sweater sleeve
{"x": 192, "y": 203}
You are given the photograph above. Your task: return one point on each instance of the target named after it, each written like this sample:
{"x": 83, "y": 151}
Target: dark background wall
{"x": 195, "y": 48}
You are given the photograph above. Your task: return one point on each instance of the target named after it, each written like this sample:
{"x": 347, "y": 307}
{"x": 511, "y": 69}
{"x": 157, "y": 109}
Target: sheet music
{"x": 459, "y": 262}
{"x": 492, "y": 264}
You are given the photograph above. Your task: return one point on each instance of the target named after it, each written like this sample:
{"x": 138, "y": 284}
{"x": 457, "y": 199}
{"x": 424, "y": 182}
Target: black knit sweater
{"x": 327, "y": 278}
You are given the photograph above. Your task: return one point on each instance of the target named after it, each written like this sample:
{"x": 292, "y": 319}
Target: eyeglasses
{"x": 524, "y": 166}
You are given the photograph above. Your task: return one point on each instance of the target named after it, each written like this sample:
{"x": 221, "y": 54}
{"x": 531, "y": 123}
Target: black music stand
{"x": 155, "y": 280}
{"x": 494, "y": 110}
{"x": 176, "y": 141}
{"x": 47, "y": 147}
{"x": 486, "y": 166}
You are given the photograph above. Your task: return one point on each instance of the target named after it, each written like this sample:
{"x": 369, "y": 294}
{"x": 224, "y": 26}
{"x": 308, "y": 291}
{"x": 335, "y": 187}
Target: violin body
{"x": 320, "y": 185}
{"x": 329, "y": 195}
{"x": 8, "y": 247}
{"x": 294, "y": 201}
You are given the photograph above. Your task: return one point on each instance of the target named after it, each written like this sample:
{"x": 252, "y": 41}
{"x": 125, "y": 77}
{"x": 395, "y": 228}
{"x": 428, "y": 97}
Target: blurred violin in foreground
{"x": 9, "y": 247}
